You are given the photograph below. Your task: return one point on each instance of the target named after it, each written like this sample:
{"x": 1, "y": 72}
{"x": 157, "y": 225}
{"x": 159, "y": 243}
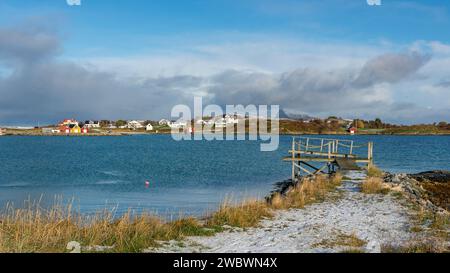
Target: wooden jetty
{"x": 312, "y": 156}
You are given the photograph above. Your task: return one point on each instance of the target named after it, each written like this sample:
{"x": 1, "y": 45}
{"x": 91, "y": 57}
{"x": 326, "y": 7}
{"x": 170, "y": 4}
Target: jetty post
{"x": 293, "y": 158}
{"x": 370, "y": 154}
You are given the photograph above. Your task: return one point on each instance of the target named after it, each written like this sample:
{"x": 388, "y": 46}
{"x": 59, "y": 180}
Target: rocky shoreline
{"x": 430, "y": 190}
{"x": 347, "y": 220}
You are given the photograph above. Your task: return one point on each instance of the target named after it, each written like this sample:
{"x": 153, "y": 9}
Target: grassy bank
{"x": 430, "y": 227}
{"x": 36, "y": 229}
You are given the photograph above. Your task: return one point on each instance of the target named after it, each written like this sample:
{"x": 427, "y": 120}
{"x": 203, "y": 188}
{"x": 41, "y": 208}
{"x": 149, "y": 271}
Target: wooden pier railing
{"x": 331, "y": 153}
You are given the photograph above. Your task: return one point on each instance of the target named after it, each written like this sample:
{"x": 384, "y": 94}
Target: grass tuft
{"x": 247, "y": 214}
{"x": 353, "y": 251}
{"x": 415, "y": 247}
{"x": 374, "y": 185}
{"x": 351, "y": 241}
{"x": 191, "y": 227}
{"x": 374, "y": 171}
{"x": 309, "y": 191}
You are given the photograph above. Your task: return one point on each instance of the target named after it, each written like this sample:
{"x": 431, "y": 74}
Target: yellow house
{"x": 75, "y": 129}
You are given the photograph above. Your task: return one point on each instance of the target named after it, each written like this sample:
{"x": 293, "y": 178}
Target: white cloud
{"x": 361, "y": 80}
{"x": 260, "y": 54}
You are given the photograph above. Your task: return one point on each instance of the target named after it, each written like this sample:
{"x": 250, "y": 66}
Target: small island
{"x": 287, "y": 126}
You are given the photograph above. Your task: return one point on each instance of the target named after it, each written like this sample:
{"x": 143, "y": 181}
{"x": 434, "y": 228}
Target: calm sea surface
{"x": 191, "y": 177}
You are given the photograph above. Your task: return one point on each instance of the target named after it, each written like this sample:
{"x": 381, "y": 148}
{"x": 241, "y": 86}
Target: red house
{"x": 64, "y": 129}
{"x": 352, "y": 130}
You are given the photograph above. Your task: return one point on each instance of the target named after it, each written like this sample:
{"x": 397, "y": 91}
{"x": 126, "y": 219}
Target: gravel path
{"x": 347, "y": 218}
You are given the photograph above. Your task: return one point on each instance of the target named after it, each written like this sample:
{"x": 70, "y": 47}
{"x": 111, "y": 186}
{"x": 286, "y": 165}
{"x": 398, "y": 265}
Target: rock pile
{"x": 428, "y": 189}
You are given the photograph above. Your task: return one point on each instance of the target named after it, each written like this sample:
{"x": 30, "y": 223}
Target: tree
{"x": 147, "y": 122}
{"x": 442, "y": 125}
{"x": 120, "y": 123}
{"x": 359, "y": 124}
{"x": 321, "y": 129}
{"x": 104, "y": 123}
{"x": 378, "y": 123}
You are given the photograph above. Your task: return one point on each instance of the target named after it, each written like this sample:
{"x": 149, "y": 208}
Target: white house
{"x": 149, "y": 127}
{"x": 349, "y": 120}
{"x": 46, "y": 130}
{"x": 231, "y": 120}
{"x": 221, "y": 123}
{"x": 134, "y": 124}
{"x": 164, "y": 122}
{"x": 91, "y": 124}
{"x": 178, "y": 125}
{"x": 111, "y": 126}
{"x": 200, "y": 121}
{"x": 69, "y": 122}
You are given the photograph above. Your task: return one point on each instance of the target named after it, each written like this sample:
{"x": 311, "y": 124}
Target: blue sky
{"x": 233, "y": 51}
{"x": 112, "y": 24}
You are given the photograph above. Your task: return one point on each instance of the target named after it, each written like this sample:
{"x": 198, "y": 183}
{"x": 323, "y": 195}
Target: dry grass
{"x": 343, "y": 240}
{"x": 416, "y": 247}
{"x": 350, "y": 240}
{"x": 434, "y": 223}
{"x": 374, "y": 185}
{"x": 374, "y": 171}
{"x": 36, "y": 229}
{"x": 250, "y": 213}
{"x": 353, "y": 251}
{"x": 309, "y": 191}
{"x": 247, "y": 214}
{"x": 432, "y": 233}
{"x": 440, "y": 222}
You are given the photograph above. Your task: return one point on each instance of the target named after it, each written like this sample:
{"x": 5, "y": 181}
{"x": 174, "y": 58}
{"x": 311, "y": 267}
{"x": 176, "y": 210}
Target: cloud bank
{"x": 37, "y": 84}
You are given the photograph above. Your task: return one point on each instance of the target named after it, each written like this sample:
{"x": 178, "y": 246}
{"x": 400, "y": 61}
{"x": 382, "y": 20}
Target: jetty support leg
{"x": 370, "y": 155}
{"x": 293, "y": 157}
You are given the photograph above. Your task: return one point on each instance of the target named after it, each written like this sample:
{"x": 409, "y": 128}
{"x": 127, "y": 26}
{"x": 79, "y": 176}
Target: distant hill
{"x": 287, "y": 115}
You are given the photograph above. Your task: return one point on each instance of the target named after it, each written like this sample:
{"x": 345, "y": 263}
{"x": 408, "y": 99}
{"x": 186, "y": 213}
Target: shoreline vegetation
{"x": 330, "y": 126}
{"x": 25, "y": 133}
{"x": 37, "y": 229}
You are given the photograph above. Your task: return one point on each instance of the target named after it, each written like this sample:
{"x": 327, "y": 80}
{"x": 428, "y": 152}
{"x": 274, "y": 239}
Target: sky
{"x": 121, "y": 59}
